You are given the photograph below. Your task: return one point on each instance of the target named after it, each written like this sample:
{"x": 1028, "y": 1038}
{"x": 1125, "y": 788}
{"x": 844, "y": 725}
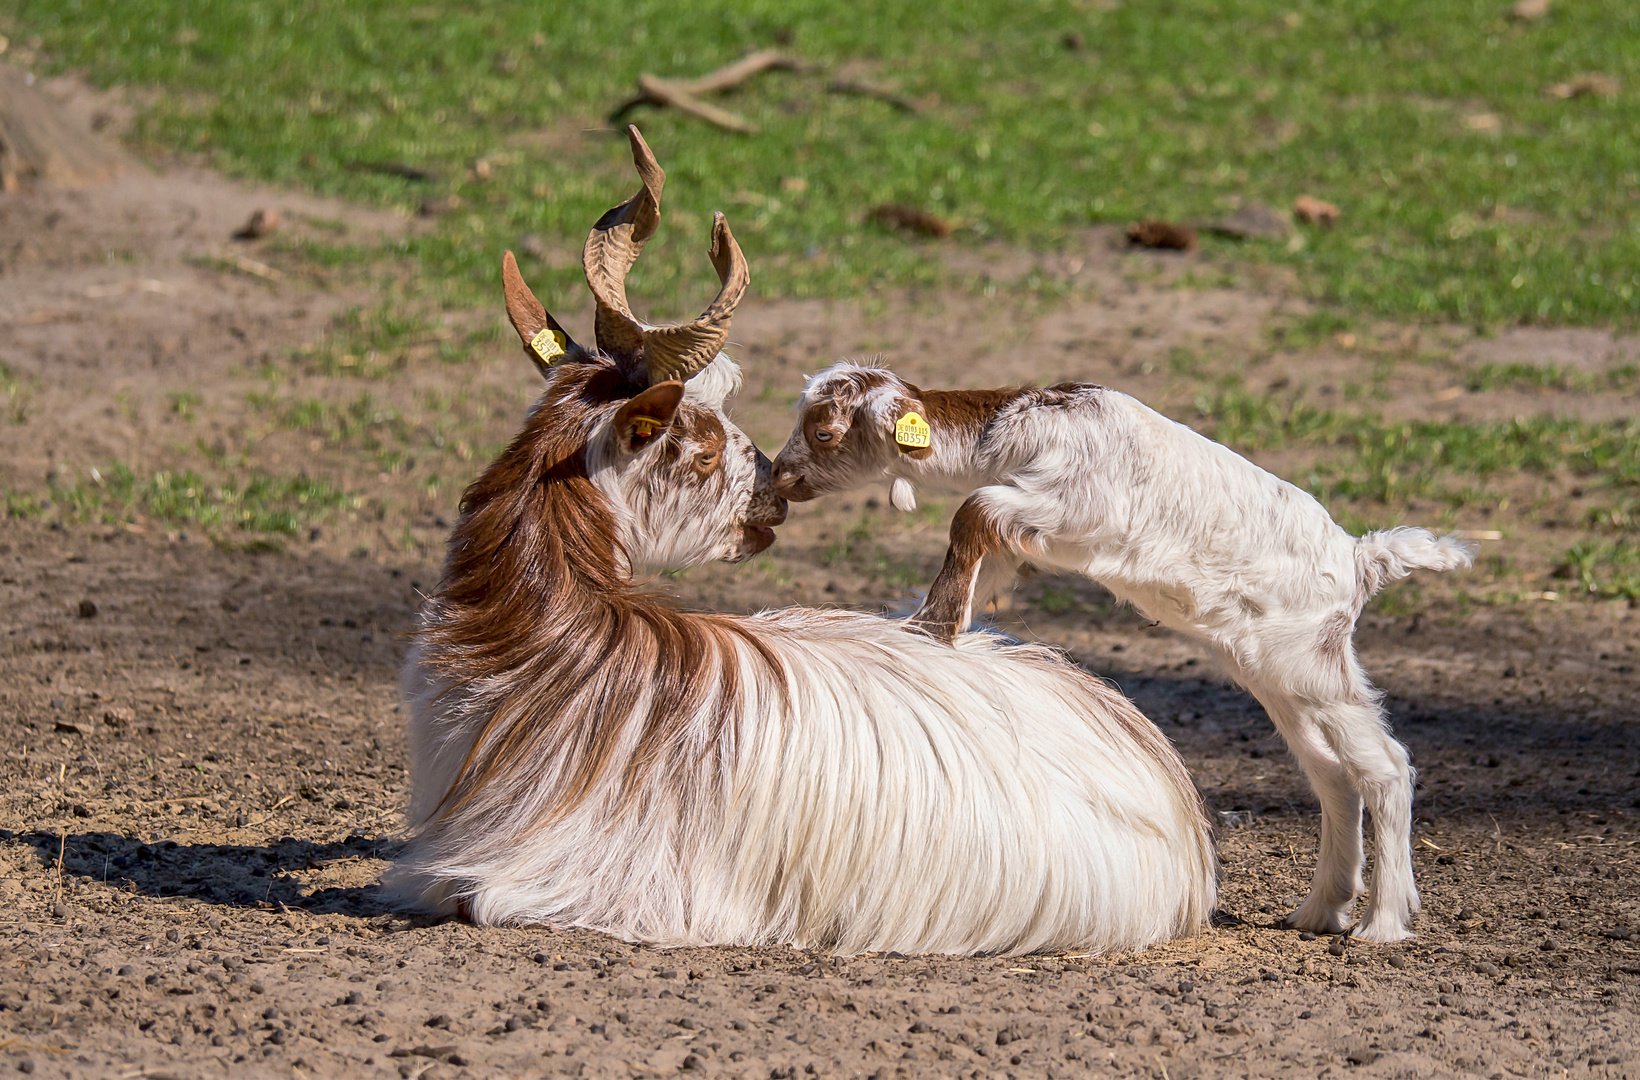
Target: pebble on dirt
{"x": 1313, "y": 211}
{"x": 910, "y": 219}
{"x": 263, "y": 221}
{"x": 1163, "y": 235}
{"x": 88, "y": 609}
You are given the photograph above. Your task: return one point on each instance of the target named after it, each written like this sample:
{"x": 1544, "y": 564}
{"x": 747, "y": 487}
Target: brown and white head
{"x": 845, "y": 432}
{"x": 640, "y": 416}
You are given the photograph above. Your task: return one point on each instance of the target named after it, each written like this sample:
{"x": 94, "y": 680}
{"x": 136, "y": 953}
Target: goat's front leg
{"x": 976, "y": 536}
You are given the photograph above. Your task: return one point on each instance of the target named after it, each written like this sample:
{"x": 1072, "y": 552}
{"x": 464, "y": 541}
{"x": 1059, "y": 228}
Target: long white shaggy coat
{"x": 911, "y": 797}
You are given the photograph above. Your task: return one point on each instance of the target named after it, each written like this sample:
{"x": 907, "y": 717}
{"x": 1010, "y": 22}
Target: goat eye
{"x": 823, "y": 436}
{"x": 706, "y": 461}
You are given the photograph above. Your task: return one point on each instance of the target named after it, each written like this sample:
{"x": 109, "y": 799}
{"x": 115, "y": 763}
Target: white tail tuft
{"x": 1383, "y": 557}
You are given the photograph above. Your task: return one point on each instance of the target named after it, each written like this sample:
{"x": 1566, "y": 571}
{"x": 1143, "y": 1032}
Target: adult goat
{"x": 585, "y": 754}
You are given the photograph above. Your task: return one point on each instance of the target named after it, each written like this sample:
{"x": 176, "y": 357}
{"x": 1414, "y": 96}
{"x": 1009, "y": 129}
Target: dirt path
{"x": 203, "y": 774}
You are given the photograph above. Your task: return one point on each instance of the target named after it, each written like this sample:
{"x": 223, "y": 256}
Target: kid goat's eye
{"x": 706, "y": 461}
{"x": 822, "y": 436}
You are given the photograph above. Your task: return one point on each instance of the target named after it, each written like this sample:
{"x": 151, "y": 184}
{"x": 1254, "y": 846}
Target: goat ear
{"x": 903, "y": 407}
{"x": 640, "y": 419}
{"x": 544, "y": 340}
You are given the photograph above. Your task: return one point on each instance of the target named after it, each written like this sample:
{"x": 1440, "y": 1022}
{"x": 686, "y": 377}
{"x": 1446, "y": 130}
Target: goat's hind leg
{"x": 1382, "y": 772}
{"x": 978, "y": 535}
{"x": 1337, "y": 881}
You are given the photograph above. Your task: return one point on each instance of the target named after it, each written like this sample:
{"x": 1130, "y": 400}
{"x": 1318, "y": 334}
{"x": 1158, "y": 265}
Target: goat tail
{"x": 1390, "y": 555}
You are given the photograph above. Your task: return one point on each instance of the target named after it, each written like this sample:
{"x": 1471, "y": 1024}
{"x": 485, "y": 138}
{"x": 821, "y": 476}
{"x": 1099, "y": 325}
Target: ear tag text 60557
{"x": 912, "y": 432}
{"x": 549, "y": 344}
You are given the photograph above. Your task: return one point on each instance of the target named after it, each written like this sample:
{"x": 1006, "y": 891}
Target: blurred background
{"x": 1399, "y": 244}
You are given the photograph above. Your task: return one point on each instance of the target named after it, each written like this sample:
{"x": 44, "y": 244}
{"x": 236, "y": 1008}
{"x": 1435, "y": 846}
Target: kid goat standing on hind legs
{"x": 1198, "y": 538}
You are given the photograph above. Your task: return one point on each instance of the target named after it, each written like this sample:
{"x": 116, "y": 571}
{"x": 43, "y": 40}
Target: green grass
{"x": 1550, "y": 377}
{"x": 15, "y": 398}
{"x": 240, "y": 505}
{"x": 1365, "y": 457}
{"x": 1608, "y": 568}
{"x": 1171, "y": 108}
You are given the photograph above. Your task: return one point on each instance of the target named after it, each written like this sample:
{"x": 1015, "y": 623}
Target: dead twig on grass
{"x": 686, "y": 95}
{"x": 666, "y": 92}
{"x": 859, "y": 88}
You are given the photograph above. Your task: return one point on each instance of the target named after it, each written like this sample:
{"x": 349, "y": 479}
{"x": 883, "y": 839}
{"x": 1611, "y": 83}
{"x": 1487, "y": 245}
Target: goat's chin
{"x": 756, "y": 539}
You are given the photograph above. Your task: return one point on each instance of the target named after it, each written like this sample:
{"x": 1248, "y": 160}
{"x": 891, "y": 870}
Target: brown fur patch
{"x": 963, "y": 414}
{"x": 1333, "y": 642}
{"x": 946, "y": 611}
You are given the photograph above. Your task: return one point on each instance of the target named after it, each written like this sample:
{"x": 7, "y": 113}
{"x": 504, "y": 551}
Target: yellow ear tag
{"x": 644, "y": 426}
{"x": 549, "y": 345}
{"x": 912, "y": 432}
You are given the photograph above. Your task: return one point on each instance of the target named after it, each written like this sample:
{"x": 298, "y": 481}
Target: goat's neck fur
{"x": 537, "y": 604}
{"x": 958, "y": 421}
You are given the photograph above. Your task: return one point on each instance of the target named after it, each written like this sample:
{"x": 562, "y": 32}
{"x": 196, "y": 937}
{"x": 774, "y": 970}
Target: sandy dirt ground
{"x": 203, "y": 772}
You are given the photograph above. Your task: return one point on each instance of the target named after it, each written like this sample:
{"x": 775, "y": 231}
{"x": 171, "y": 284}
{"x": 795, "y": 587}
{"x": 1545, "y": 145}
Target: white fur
{"x": 916, "y": 798}
{"x": 1208, "y": 544}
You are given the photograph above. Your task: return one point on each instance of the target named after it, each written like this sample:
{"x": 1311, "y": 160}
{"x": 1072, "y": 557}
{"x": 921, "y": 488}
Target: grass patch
{"x": 1368, "y": 458}
{"x": 15, "y": 397}
{"x": 1550, "y": 377}
{"x": 1466, "y": 192}
{"x": 227, "y": 510}
{"x": 1608, "y": 568}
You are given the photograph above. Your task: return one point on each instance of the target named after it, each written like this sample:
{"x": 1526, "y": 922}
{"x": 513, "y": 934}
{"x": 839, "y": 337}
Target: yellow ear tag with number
{"x": 912, "y": 432}
{"x": 644, "y": 426}
{"x": 549, "y": 345}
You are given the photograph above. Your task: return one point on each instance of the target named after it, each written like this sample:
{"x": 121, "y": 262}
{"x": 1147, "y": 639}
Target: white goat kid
{"x": 1090, "y": 480}
{"x": 584, "y": 754}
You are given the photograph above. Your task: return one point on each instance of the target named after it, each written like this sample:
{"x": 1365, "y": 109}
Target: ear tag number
{"x": 645, "y": 426}
{"x": 913, "y": 433}
{"x": 549, "y": 345}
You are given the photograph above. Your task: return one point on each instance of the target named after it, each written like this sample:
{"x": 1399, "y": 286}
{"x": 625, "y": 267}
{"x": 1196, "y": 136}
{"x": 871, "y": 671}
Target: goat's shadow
{"x": 265, "y": 876}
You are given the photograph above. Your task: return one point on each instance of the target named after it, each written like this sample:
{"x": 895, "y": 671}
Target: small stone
{"x": 1548, "y": 945}
{"x": 1162, "y": 235}
{"x": 118, "y": 716}
{"x": 173, "y": 935}
{"x": 355, "y": 998}
{"x": 1336, "y": 948}
{"x": 59, "y": 910}
{"x": 88, "y": 609}
{"x": 1485, "y": 968}
{"x": 26, "y": 1065}
{"x": 1305, "y": 935}
{"x": 1398, "y": 961}
{"x": 278, "y": 1037}
{"x": 1313, "y": 211}
{"x": 263, "y": 220}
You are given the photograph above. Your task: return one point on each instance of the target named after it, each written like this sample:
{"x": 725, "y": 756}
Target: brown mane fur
{"x": 535, "y": 600}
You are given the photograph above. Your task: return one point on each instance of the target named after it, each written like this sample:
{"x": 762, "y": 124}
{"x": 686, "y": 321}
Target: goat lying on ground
{"x": 584, "y": 754}
{"x": 1196, "y": 537}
